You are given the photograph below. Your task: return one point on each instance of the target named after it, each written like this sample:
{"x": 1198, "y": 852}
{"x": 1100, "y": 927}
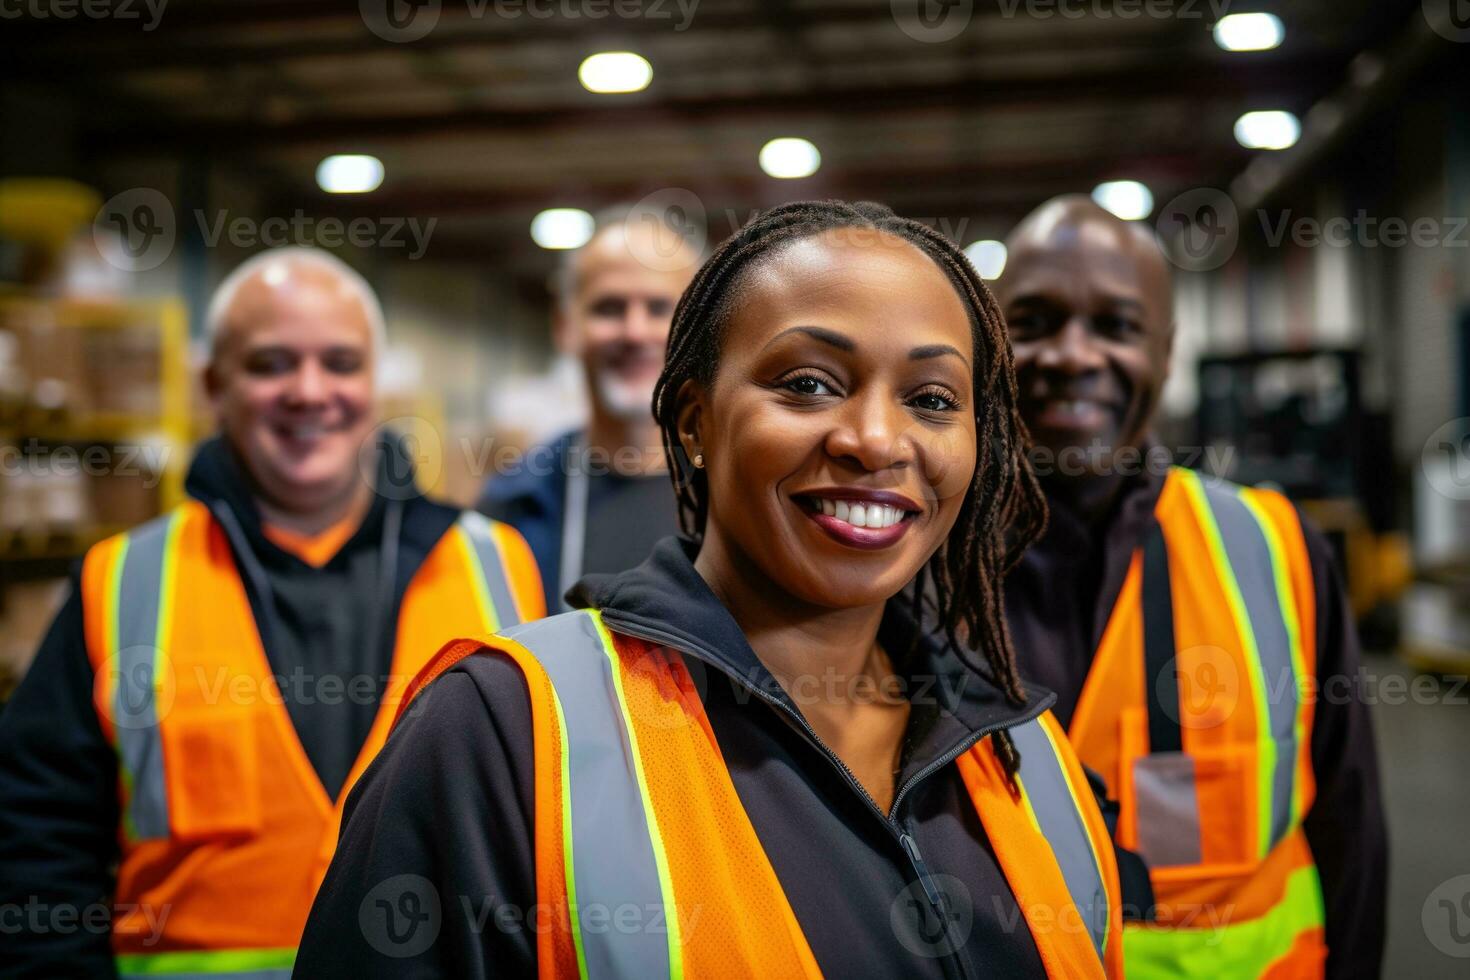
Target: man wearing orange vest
{"x": 1196, "y": 632}
{"x": 176, "y": 760}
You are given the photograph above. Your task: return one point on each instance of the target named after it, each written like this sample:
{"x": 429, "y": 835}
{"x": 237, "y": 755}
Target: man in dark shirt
{"x": 168, "y": 795}
{"x": 1088, "y": 300}
{"x": 597, "y": 500}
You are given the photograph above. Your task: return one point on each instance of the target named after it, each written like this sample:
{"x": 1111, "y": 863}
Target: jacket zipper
{"x": 905, "y": 839}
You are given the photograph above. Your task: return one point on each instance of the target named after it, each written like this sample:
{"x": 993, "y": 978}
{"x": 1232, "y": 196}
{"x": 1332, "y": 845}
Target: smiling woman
{"x": 758, "y": 737}
{"x": 863, "y": 351}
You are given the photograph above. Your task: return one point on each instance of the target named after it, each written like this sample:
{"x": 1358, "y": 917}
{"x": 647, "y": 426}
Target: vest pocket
{"x": 1192, "y": 812}
{"x": 212, "y": 770}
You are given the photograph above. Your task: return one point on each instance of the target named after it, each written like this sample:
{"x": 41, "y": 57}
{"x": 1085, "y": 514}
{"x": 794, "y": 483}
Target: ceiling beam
{"x": 1284, "y": 83}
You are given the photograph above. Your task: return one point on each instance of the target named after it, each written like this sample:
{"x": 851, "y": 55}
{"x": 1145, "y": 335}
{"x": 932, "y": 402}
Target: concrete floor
{"x": 1424, "y": 745}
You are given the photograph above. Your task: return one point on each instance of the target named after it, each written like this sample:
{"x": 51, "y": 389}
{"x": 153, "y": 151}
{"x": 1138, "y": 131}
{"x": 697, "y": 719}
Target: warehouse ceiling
{"x": 481, "y": 122}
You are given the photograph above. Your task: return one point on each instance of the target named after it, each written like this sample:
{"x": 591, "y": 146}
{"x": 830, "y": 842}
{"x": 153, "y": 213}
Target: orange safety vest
{"x": 637, "y": 822}
{"x": 1198, "y": 713}
{"x": 226, "y": 829}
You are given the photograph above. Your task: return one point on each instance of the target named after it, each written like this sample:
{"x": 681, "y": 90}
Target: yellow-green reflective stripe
{"x": 567, "y": 858}
{"x": 660, "y": 856}
{"x": 1286, "y": 599}
{"x": 1241, "y": 949}
{"x": 110, "y": 662}
{"x": 1266, "y": 745}
{"x": 217, "y": 964}
{"x": 114, "y": 597}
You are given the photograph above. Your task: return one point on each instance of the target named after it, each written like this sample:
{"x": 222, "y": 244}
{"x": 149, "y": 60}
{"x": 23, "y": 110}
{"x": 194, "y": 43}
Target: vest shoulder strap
{"x": 127, "y": 599}
{"x": 1072, "y": 904}
{"x": 1254, "y": 544}
{"x": 489, "y": 576}
{"x": 632, "y": 796}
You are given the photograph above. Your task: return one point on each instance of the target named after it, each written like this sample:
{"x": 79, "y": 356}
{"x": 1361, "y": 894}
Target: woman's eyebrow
{"x": 840, "y": 341}
{"x": 935, "y": 350}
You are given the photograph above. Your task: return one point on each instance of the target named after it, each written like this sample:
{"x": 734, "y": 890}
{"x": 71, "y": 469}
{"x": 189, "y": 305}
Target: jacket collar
{"x": 665, "y": 600}
{"x": 218, "y": 479}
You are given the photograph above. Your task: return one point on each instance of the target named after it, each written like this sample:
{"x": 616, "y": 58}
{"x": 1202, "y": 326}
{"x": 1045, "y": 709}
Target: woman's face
{"x": 839, "y": 434}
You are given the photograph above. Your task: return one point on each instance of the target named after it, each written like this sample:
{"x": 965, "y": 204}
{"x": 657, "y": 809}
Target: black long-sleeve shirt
{"x": 1058, "y": 601}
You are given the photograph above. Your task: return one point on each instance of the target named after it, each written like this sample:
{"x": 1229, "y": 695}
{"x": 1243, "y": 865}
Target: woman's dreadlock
{"x": 1003, "y": 509}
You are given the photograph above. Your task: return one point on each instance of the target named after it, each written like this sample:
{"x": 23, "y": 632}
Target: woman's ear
{"x": 689, "y": 417}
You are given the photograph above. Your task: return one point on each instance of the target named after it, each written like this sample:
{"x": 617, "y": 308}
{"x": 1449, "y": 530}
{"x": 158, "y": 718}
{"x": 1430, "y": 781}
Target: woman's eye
{"x": 807, "y": 384}
{"x": 934, "y": 401}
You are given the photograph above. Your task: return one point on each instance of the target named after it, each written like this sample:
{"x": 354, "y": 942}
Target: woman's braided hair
{"x": 1003, "y": 510}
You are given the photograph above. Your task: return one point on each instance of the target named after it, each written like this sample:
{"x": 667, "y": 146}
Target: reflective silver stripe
{"x": 612, "y": 861}
{"x": 139, "y": 737}
{"x": 1250, "y": 559}
{"x": 1061, "y": 823}
{"x": 477, "y": 528}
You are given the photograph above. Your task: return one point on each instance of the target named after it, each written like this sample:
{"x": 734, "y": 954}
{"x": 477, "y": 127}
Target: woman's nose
{"x": 873, "y": 431}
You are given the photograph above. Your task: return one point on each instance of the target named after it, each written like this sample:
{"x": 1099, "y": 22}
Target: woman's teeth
{"x": 860, "y": 514}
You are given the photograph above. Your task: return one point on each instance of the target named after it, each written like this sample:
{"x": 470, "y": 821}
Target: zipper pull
{"x": 917, "y": 860}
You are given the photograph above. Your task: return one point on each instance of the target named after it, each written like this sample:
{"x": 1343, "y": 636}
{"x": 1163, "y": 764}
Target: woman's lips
{"x": 867, "y": 520}
{"x": 861, "y": 537}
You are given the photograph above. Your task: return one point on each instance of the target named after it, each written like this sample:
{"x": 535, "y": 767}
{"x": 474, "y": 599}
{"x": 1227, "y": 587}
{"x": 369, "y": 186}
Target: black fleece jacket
{"x": 443, "y": 819}
{"x": 58, "y": 773}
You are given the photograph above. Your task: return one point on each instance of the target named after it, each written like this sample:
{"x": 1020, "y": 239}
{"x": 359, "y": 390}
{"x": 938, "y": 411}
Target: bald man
{"x": 1196, "y": 632}
{"x": 176, "y": 760}
{"x": 597, "y": 500}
